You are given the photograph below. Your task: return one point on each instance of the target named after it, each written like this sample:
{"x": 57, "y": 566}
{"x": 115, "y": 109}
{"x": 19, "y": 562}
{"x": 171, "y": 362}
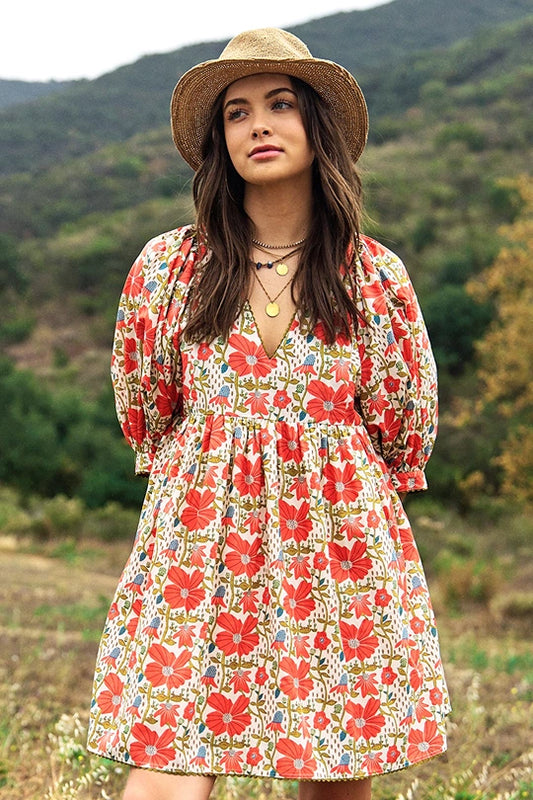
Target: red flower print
{"x": 253, "y": 756}
{"x": 249, "y": 358}
{"x": 416, "y": 675}
{"x": 349, "y": 564}
{"x": 294, "y": 522}
{"x": 297, "y": 602}
{"x": 238, "y": 635}
{"x": 261, "y": 676}
{"x": 435, "y": 696}
{"x": 361, "y": 605}
{"x": 391, "y": 384}
{"x": 204, "y": 351}
{"x": 320, "y": 560}
{"x": 183, "y": 589}
{"x": 388, "y": 676}
{"x": 184, "y": 635}
{"x": 149, "y": 749}
{"x": 167, "y": 714}
{"x": 372, "y": 763}
{"x": 295, "y": 684}
{"x": 131, "y": 355}
{"x": 374, "y": 292}
{"x": 299, "y": 566}
{"x": 248, "y": 478}
{"x": 281, "y": 399}
{"x": 109, "y": 701}
{"x": 245, "y": 558}
{"x": 330, "y": 405}
{"x": 365, "y": 722}
{"x": 417, "y": 625}
{"x": 321, "y": 721}
{"x": 198, "y": 511}
{"x": 393, "y": 754}
{"x": 240, "y": 680}
{"x": 341, "y": 369}
{"x": 166, "y": 398}
{"x": 229, "y": 717}
{"x": 422, "y": 711}
{"x": 391, "y": 425}
{"x": 291, "y": 447}
{"x": 322, "y": 641}
{"x": 166, "y": 668}
{"x": 214, "y": 434}
{"x": 257, "y": 402}
{"x": 367, "y": 367}
{"x": 189, "y": 710}
{"x": 376, "y": 403}
{"x": 341, "y": 485}
{"x": 232, "y": 762}
{"x": 372, "y": 519}
{"x": 358, "y": 642}
{"x": 135, "y": 281}
{"x": 409, "y": 548}
{"x": 301, "y": 645}
{"x": 298, "y": 761}
{"x": 300, "y": 487}
{"x": 136, "y": 425}
{"x": 426, "y": 743}
{"x": 249, "y": 602}
{"x": 382, "y": 598}
{"x": 367, "y": 684}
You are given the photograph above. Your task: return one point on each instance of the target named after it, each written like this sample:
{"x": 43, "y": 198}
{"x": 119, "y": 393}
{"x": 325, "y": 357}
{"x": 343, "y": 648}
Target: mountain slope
{"x": 135, "y": 98}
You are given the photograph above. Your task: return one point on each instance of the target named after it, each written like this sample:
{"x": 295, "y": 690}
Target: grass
{"x": 53, "y": 601}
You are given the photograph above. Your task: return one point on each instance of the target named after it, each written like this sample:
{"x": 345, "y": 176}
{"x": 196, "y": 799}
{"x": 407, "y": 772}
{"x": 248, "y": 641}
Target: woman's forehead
{"x": 262, "y": 81}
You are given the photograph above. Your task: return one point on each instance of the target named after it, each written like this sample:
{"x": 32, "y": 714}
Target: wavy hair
{"x": 222, "y": 285}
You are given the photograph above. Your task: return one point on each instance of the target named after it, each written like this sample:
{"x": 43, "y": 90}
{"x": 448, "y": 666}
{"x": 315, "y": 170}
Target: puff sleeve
{"x": 398, "y": 380}
{"x": 145, "y": 362}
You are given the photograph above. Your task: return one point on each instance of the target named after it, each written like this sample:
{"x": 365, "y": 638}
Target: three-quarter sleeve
{"x": 145, "y": 362}
{"x": 398, "y": 380}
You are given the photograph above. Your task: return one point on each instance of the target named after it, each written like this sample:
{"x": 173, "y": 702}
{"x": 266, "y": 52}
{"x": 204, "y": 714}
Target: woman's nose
{"x": 261, "y": 130}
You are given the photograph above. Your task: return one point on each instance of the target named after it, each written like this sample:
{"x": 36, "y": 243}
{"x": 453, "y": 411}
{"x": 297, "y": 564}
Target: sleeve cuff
{"x": 412, "y": 481}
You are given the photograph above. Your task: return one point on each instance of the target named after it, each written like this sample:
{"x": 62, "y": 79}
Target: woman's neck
{"x": 279, "y": 216}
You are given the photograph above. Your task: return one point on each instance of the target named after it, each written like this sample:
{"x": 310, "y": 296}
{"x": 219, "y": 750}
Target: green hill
{"x": 135, "y": 98}
{"x": 450, "y": 128}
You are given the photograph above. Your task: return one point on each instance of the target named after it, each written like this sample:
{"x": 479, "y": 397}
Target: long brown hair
{"x": 221, "y": 221}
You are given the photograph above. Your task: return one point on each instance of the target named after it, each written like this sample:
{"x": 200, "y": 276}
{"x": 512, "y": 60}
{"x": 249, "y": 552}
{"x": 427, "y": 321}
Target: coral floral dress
{"x": 273, "y": 618}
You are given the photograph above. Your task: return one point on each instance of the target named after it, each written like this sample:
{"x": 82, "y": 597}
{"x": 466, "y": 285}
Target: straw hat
{"x": 252, "y": 52}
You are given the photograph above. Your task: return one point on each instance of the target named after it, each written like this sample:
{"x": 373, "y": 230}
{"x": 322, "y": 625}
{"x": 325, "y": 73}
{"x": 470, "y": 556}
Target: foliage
{"x": 506, "y": 350}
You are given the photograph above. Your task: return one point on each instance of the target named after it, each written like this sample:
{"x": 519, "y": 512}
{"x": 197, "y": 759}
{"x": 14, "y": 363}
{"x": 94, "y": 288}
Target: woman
{"x": 273, "y": 374}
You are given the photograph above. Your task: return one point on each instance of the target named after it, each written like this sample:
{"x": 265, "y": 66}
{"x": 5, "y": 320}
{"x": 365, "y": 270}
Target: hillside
{"x": 451, "y": 128}
{"x": 135, "y": 97}
{"x": 14, "y": 92}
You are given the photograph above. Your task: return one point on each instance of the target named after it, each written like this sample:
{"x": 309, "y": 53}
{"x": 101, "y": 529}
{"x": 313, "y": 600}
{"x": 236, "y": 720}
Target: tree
{"x": 506, "y": 350}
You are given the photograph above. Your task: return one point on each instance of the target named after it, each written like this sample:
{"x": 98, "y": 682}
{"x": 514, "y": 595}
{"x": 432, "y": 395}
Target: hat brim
{"x": 197, "y": 90}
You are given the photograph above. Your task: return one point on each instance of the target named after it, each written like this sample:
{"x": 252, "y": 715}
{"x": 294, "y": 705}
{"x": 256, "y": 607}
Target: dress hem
{"x": 267, "y": 776}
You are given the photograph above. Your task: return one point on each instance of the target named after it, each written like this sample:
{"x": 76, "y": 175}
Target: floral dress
{"x": 273, "y": 618}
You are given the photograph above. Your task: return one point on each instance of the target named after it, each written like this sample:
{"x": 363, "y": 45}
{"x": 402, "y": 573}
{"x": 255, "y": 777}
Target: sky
{"x": 65, "y": 40}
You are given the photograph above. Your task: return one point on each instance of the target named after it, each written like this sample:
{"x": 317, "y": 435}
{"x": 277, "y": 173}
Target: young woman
{"x": 273, "y": 374}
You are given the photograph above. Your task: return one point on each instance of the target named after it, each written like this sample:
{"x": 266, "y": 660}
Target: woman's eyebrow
{"x": 243, "y": 101}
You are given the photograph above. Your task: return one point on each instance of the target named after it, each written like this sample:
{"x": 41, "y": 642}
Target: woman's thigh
{"x": 144, "y": 784}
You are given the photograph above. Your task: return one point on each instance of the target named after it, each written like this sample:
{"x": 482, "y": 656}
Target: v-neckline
{"x": 281, "y": 342}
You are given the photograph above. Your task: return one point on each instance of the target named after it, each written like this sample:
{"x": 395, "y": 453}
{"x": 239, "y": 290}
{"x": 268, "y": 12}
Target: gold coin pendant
{"x": 272, "y": 309}
{"x": 282, "y": 269}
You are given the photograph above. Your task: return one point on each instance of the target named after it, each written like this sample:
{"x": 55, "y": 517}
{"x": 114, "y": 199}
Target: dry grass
{"x": 53, "y": 600}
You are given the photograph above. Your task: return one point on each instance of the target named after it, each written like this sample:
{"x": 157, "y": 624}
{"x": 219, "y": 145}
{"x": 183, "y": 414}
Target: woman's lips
{"x": 264, "y": 152}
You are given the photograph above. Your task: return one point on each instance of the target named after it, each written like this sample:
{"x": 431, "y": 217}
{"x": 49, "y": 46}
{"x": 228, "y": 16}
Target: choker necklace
{"x": 272, "y": 308}
{"x": 279, "y": 246}
{"x": 281, "y": 267}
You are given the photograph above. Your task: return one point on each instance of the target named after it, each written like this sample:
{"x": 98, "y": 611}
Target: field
{"x": 54, "y": 596}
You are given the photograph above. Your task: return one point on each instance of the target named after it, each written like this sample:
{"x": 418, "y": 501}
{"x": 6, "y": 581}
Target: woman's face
{"x": 264, "y": 131}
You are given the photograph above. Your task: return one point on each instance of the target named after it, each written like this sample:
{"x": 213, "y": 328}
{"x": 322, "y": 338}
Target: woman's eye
{"x": 282, "y": 104}
{"x": 235, "y": 113}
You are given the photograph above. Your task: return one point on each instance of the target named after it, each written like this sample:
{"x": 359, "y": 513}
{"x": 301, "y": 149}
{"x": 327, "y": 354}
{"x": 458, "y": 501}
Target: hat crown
{"x": 265, "y": 43}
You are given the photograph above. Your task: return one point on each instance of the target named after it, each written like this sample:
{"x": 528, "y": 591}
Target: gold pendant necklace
{"x": 272, "y": 308}
{"x": 281, "y": 268}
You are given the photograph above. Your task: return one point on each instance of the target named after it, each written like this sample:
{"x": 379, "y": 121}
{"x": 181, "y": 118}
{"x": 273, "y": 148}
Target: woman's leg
{"x": 144, "y": 784}
{"x": 335, "y": 790}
